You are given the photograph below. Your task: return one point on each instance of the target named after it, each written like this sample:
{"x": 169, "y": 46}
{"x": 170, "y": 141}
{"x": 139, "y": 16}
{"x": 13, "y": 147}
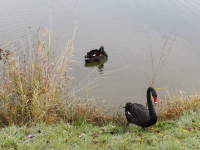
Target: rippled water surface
{"x": 128, "y": 29}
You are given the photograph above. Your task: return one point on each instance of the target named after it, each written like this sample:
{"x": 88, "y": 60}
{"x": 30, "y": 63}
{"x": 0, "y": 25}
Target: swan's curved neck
{"x": 152, "y": 112}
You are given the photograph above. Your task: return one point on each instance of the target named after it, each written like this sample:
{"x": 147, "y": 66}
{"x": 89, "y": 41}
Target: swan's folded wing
{"x": 138, "y": 114}
{"x": 131, "y": 118}
{"x": 92, "y": 52}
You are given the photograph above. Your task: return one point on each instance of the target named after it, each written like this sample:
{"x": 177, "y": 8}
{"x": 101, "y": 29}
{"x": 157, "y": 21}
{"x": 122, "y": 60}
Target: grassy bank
{"x": 183, "y": 133}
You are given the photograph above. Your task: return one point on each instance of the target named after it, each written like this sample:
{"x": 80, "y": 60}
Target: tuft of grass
{"x": 34, "y": 83}
{"x": 35, "y": 86}
{"x": 172, "y": 106}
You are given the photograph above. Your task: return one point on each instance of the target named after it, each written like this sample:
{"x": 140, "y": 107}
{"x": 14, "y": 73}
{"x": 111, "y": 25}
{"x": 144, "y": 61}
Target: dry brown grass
{"x": 35, "y": 86}
{"x": 172, "y": 107}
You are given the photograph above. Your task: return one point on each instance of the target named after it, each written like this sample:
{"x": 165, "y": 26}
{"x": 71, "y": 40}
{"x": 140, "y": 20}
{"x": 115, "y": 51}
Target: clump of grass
{"x": 172, "y": 106}
{"x": 35, "y": 86}
{"x": 34, "y": 83}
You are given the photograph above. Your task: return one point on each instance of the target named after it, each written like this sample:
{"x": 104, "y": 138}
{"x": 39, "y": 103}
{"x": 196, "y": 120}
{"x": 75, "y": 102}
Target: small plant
{"x": 165, "y": 51}
{"x": 79, "y": 122}
{"x": 170, "y": 106}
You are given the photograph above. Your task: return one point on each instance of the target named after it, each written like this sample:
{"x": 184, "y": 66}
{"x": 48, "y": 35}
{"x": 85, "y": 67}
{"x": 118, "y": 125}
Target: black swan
{"x": 96, "y": 55}
{"x": 139, "y": 115}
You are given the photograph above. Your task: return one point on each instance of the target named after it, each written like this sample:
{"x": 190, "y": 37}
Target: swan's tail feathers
{"x": 127, "y": 106}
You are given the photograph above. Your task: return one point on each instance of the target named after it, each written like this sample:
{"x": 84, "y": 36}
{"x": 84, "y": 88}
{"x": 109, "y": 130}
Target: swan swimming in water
{"x": 96, "y": 55}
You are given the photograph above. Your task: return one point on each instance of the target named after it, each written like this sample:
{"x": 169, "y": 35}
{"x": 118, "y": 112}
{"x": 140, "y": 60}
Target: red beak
{"x": 155, "y": 100}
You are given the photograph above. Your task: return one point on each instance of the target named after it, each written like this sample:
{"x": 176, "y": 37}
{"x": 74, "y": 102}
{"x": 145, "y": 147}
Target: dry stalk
{"x": 165, "y": 51}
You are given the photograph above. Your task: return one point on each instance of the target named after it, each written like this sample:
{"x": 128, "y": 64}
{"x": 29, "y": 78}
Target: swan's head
{"x": 101, "y": 49}
{"x": 154, "y": 94}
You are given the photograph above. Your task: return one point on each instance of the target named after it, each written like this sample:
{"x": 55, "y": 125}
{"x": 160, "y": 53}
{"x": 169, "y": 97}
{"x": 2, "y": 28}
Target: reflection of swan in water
{"x": 95, "y": 64}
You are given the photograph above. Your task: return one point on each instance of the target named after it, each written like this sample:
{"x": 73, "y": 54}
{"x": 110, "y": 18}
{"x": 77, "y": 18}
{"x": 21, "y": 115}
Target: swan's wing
{"x": 137, "y": 114}
{"x": 134, "y": 108}
{"x": 130, "y": 118}
{"x": 92, "y": 52}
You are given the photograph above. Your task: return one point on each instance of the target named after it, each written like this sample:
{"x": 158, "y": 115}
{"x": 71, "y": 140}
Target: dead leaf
{"x": 139, "y": 134}
{"x": 157, "y": 131}
{"x": 29, "y": 136}
{"x": 65, "y": 140}
{"x": 188, "y": 129}
{"x": 99, "y": 144}
{"x": 149, "y": 142}
{"x": 81, "y": 135}
{"x": 126, "y": 131}
{"x": 103, "y": 131}
{"x": 107, "y": 146}
{"x": 185, "y": 131}
{"x": 95, "y": 142}
{"x": 95, "y": 135}
{"x": 152, "y": 129}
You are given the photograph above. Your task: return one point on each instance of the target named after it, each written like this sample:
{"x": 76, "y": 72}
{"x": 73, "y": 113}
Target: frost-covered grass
{"x": 183, "y": 133}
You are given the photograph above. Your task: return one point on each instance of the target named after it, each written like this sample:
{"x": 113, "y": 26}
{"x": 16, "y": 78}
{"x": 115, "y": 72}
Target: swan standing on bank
{"x": 139, "y": 115}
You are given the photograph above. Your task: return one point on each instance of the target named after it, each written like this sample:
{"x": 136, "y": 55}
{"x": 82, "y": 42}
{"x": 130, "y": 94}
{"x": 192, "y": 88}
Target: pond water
{"x": 129, "y": 30}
